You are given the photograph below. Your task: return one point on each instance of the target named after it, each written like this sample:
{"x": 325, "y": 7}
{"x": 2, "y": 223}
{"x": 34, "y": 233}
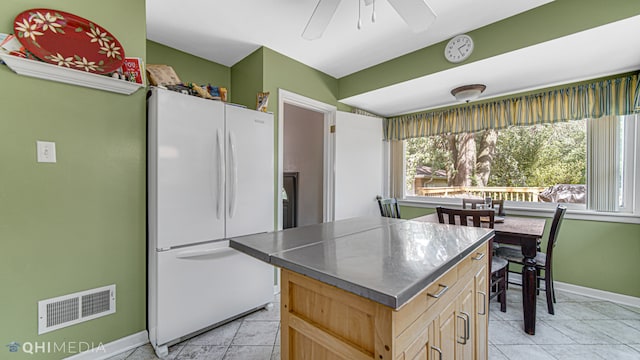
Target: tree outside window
{"x": 500, "y": 163}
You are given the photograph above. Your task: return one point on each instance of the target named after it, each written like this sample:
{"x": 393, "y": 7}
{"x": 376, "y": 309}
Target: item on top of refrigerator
{"x": 183, "y": 89}
{"x": 213, "y": 90}
{"x": 219, "y": 93}
{"x": 162, "y": 75}
{"x": 223, "y": 94}
{"x": 262, "y": 101}
{"x": 202, "y": 92}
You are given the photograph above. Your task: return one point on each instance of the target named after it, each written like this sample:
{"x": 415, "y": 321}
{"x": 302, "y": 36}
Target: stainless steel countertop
{"x": 385, "y": 260}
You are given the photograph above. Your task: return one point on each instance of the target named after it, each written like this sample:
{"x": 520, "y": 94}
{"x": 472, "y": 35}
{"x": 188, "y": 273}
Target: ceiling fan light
{"x": 467, "y": 93}
{"x": 320, "y": 19}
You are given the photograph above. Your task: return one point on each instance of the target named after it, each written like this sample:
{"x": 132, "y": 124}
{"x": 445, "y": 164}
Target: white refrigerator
{"x": 210, "y": 177}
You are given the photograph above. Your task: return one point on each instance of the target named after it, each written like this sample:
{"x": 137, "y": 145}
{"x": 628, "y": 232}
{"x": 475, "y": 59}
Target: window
{"x": 549, "y": 163}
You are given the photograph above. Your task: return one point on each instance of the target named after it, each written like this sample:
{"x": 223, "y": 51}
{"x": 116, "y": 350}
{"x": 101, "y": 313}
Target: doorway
{"x": 304, "y": 158}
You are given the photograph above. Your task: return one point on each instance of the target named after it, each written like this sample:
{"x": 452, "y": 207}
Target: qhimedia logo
{"x": 13, "y": 346}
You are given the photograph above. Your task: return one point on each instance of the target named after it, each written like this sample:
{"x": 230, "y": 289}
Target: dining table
{"x": 525, "y": 232}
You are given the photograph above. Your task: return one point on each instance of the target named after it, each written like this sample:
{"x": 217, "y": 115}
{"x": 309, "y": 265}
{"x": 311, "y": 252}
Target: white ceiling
{"x": 227, "y": 31}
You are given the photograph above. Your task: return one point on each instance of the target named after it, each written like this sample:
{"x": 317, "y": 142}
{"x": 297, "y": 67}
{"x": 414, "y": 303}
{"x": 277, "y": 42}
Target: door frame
{"x": 329, "y": 114}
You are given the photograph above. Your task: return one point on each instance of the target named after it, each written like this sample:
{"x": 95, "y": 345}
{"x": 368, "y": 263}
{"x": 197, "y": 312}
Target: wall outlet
{"x": 46, "y": 151}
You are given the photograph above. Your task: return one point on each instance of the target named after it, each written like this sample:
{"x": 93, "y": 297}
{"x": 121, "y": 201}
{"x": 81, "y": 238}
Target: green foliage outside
{"x": 531, "y": 156}
{"x": 430, "y": 151}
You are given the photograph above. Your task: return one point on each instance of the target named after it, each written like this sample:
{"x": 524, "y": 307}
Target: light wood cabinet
{"x": 482, "y": 313}
{"x": 445, "y": 321}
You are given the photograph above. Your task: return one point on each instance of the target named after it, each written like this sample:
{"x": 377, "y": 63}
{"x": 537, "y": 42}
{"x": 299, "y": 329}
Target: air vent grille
{"x": 62, "y": 311}
{"x": 96, "y": 303}
{"x": 75, "y": 308}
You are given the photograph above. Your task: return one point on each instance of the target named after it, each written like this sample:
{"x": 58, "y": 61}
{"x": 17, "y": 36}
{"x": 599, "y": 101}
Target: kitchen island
{"x": 379, "y": 288}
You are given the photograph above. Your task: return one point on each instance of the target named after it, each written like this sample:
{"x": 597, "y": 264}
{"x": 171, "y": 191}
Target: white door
{"x": 359, "y": 172}
{"x": 189, "y": 159}
{"x": 250, "y": 171}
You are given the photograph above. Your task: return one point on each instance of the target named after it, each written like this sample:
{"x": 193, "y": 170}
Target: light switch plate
{"x": 46, "y": 151}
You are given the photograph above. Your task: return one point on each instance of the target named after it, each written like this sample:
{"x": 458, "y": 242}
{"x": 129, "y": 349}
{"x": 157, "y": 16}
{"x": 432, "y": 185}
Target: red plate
{"x": 68, "y": 40}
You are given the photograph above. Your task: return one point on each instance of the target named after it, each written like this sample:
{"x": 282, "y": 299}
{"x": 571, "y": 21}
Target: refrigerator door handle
{"x": 221, "y": 174}
{"x": 198, "y": 253}
{"x": 234, "y": 175}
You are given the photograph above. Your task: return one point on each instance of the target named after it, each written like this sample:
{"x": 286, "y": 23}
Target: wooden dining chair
{"x": 471, "y": 203}
{"x": 389, "y": 207}
{"x": 544, "y": 260}
{"x": 498, "y": 204}
{"x": 498, "y": 266}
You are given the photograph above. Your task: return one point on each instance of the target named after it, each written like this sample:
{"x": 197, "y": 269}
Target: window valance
{"x": 593, "y": 100}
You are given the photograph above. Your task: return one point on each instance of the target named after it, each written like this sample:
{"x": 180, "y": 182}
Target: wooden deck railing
{"x": 498, "y": 192}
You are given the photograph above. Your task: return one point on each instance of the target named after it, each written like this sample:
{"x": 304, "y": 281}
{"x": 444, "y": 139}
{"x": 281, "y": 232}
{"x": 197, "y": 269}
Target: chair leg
{"x": 506, "y": 278}
{"x": 549, "y": 290}
{"x": 503, "y": 291}
{"x": 537, "y": 281}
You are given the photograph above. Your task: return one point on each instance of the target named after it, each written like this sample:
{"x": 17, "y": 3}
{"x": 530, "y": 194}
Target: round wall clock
{"x": 459, "y": 48}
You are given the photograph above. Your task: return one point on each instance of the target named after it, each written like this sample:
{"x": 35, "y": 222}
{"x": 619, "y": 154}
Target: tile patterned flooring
{"x": 583, "y": 328}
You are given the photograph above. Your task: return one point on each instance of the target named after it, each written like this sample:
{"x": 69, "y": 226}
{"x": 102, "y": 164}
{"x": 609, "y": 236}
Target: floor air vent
{"x": 75, "y": 308}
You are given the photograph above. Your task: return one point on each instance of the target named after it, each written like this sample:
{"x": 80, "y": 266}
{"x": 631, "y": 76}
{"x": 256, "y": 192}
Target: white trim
{"x": 329, "y": 112}
{"x": 635, "y": 177}
{"x": 585, "y": 291}
{"x": 598, "y": 294}
{"x": 531, "y": 209}
{"x": 113, "y": 348}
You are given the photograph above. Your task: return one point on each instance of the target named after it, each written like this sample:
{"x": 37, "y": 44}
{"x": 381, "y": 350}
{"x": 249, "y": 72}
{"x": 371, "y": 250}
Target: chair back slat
{"x": 499, "y": 204}
{"x": 464, "y": 216}
{"x": 472, "y": 203}
{"x": 389, "y": 207}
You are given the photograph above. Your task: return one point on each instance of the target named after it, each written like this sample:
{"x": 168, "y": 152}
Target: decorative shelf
{"x": 42, "y": 70}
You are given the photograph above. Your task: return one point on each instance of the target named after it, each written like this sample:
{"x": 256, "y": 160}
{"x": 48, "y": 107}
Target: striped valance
{"x": 606, "y": 97}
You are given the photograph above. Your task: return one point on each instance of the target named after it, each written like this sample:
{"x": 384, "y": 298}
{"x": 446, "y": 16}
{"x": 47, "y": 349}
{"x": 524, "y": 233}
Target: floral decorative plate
{"x": 68, "y": 40}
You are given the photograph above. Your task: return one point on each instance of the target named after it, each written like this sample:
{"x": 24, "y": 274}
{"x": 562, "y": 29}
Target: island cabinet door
{"x": 465, "y": 322}
{"x": 482, "y": 313}
{"x": 455, "y": 328}
{"x": 422, "y": 348}
{"x": 445, "y": 337}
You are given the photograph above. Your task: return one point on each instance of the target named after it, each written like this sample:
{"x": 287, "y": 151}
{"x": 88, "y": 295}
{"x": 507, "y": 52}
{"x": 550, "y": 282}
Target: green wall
{"x": 282, "y": 72}
{"x": 247, "y": 79}
{"x": 593, "y": 254}
{"x": 189, "y": 68}
{"x": 268, "y": 70}
{"x": 77, "y": 224}
{"x": 556, "y": 19}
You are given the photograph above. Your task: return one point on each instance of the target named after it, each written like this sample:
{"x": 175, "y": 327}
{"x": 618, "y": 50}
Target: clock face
{"x": 459, "y": 48}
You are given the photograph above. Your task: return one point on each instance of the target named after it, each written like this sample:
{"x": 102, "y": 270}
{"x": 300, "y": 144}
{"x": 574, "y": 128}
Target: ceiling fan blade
{"x": 368, "y": 2}
{"x": 320, "y": 18}
{"x": 416, "y": 13}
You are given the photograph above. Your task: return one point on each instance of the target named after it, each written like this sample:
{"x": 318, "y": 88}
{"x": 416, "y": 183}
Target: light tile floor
{"x": 583, "y": 328}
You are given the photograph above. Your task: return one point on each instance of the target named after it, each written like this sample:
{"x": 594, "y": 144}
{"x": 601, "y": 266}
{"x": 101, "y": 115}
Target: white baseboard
{"x": 113, "y": 348}
{"x": 599, "y": 294}
{"x": 585, "y": 291}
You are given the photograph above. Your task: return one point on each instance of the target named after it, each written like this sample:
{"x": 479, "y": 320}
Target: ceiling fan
{"x": 416, "y": 13}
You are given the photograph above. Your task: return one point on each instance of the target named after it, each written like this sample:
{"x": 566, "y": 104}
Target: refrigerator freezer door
{"x": 188, "y": 162}
{"x": 250, "y": 171}
{"x": 199, "y": 286}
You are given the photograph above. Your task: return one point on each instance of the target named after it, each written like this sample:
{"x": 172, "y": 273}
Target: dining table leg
{"x": 529, "y": 286}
